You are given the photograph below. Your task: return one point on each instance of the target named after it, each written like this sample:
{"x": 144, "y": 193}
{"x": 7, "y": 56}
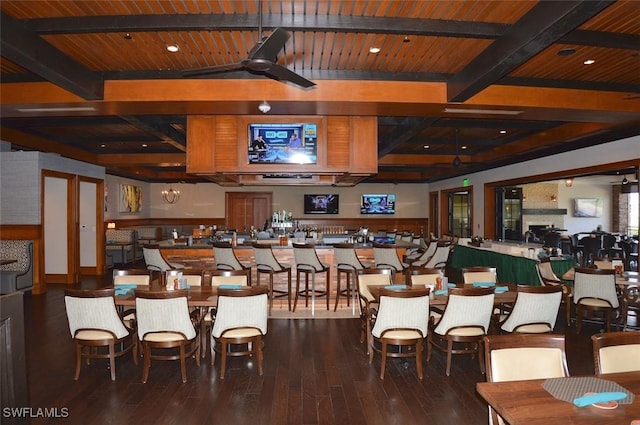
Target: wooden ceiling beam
{"x": 20, "y": 139}
{"x": 143, "y": 159}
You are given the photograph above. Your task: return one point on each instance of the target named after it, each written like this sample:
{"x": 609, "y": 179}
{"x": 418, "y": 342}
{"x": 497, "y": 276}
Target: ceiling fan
{"x": 262, "y": 59}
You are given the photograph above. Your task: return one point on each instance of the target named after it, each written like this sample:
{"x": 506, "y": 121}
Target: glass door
{"x": 460, "y": 214}
{"x": 509, "y": 217}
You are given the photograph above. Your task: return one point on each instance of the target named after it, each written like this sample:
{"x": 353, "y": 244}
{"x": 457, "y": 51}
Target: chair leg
{"x": 78, "y": 360}
{"x": 112, "y": 360}
{"x": 289, "y": 288}
{"x": 578, "y": 319}
{"x": 419, "y": 358}
{"x": 449, "y": 354}
{"x": 481, "y": 355}
{"x": 259, "y": 353}
{"x": 338, "y": 274}
{"x": 183, "y": 366}
{"x": 383, "y": 359}
{"x": 212, "y": 350}
{"x": 223, "y": 358}
{"x": 146, "y": 362}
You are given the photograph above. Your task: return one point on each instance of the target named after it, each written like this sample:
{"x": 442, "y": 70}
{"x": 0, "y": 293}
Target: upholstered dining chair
{"x": 543, "y": 354}
{"x": 548, "y": 278}
{"x": 308, "y": 264}
{"x": 368, "y": 303}
{"x": 465, "y": 320}
{"x": 616, "y": 352}
{"x": 421, "y": 257}
{"x": 479, "y": 274}
{"x": 591, "y": 247}
{"x": 534, "y": 311}
{"x": 241, "y": 320}
{"x": 131, "y": 277}
{"x": 438, "y": 259}
{"x": 594, "y": 290}
{"x": 220, "y": 278}
{"x": 347, "y": 263}
{"x": 95, "y": 323}
{"x": 385, "y": 256}
{"x": 156, "y": 262}
{"x": 165, "y": 323}
{"x": 402, "y": 320}
{"x": 421, "y": 276}
{"x": 226, "y": 258}
{"x": 266, "y": 263}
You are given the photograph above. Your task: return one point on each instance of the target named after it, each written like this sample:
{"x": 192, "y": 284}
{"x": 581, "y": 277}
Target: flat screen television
{"x": 321, "y": 204}
{"x": 283, "y": 143}
{"x": 378, "y": 204}
{"x": 587, "y": 207}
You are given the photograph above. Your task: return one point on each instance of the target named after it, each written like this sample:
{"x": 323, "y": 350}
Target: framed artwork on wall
{"x": 130, "y": 198}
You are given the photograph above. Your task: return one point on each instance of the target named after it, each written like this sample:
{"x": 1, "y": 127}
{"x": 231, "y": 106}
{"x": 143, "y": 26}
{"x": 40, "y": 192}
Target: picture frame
{"x": 130, "y": 199}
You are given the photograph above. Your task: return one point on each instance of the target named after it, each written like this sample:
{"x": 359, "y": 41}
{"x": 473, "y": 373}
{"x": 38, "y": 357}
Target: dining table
{"x": 197, "y": 296}
{"x": 528, "y": 402}
{"x": 502, "y": 296}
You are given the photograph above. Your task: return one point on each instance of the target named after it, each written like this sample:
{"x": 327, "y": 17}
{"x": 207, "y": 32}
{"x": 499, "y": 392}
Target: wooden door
{"x": 246, "y": 209}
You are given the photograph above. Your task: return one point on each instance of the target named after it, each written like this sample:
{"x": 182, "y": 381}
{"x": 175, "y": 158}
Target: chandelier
{"x": 170, "y": 196}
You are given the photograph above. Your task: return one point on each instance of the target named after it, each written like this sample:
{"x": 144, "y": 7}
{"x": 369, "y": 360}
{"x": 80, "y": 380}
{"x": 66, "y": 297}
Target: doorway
{"x": 246, "y": 209}
{"x": 459, "y": 206}
{"x": 509, "y": 213}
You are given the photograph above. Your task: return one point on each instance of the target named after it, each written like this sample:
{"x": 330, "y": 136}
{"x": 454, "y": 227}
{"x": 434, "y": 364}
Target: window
{"x": 633, "y": 201}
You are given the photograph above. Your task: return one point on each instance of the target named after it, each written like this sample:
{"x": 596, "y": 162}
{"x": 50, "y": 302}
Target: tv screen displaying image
{"x": 378, "y": 204}
{"x": 321, "y": 204}
{"x": 587, "y": 207}
{"x": 283, "y": 143}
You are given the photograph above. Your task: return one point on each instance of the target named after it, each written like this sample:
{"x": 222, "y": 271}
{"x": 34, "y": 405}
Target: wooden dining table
{"x": 527, "y": 402}
{"x": 441, "y": 299}
{"x": 198, "y": 296}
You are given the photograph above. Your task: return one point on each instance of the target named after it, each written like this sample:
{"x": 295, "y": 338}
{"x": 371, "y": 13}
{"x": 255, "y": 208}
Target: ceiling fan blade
{"x": 213, "y": 69}
{"x": 284, "y": 74}
{"x": 269, "y": 48}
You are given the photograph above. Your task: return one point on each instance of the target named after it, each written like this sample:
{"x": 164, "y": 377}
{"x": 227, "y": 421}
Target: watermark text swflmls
{"x": 35, "y": 412}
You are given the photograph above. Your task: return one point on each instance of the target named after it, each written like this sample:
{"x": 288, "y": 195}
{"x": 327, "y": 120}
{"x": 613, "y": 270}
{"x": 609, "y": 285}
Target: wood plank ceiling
{"x": 491, "y": 82}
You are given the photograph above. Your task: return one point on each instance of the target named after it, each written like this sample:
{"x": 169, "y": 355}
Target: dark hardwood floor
{"x": 315, "y": 372}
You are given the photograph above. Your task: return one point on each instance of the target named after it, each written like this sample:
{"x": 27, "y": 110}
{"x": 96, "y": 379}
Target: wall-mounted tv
{"x": 378, "y": 204}
{"x": 321, "y": 204}
{"x": 587, "y": 207}
{"x": 283, "y": 143}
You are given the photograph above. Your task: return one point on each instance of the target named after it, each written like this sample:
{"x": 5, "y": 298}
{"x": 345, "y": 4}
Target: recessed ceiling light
{"x": 566, "y": 52}
{"x": 426, "y": 146}
{"x": 173, "y": 48}
{"x": 144, "y": 145}
{"x": 503, "y": 131}
{"x": 127, "y": 36}
{"x": 406, "y": 39}
{"x": 463, "y": 147}
{"x": 589, "y": 62}
{"x": 103, "y": 145}
{"x": 374, "y": 50}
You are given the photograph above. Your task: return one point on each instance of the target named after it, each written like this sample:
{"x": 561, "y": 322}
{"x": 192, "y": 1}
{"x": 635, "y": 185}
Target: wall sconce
{"x": 111, "y": 225}
{"x": 554, "y": 198}
{"x": 568, "y": 182}
{"x": 170, "y": 196}
{"x": 264, "y": 107}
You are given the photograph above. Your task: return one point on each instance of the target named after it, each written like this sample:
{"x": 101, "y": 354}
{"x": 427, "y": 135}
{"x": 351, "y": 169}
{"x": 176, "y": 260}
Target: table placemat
{"x": 569, "y": 388}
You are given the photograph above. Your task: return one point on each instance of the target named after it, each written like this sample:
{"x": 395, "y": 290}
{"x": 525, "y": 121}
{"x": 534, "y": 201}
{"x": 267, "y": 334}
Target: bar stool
{"x": 266, "y": 263}
{"x": 347, "y": 263}
{"x": 308, "y": 263}
{"x": 226, "y": 258}
{"x": 386, "y": 257}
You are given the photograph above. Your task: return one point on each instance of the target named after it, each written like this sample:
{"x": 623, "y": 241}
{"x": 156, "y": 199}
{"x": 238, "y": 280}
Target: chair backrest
{"x": 225, "y": 257}
{"x": 230, "y": 277}
{"x": 591, "y": 246}
{"x": 525, "y": 356}
{"x": 191, "y": 277}
{"x": 552, "y": 240}
{"x": 306, "y": 257}
{"x": 153, "y": 258}
{"x": 420, "y": 276}
{"x": 406, "y": 237}
{"x": 534, "y": 305}
{"x": 131, "y": 277}
{"x": 163, "y": 311}
{"x": 345, "y": 256}
{"x": 608, "y": 241}
{"x": 402, "y": 310}
{"x": 546, "y": 274}
{"x": 602, "y": 263}
{"x": 386, "y": 256}
{"x": 428, "y": 253}
{"x": 241, "y": 308}
{"x": 616, "y": 352}
{"x": 467, "y": 307}
{"x": 265, "y": 260}
{"x": 439, "y": 258}
{"x": 93, "y": 309}
{"x": 479, "y": 274}
{"x": 595, "y": 283}
{"x": 380, "y": 277}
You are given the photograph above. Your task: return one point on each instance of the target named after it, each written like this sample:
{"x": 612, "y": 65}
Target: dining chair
{"x": 131, "y": 277}
{"x": 421, "y": 276}
{"x": 347, "y": 263}
{"x": 308, "y": 264}
{"x": 241, "y": 320}
{"x": 616, "y": 352}
{"x": 594, "y": 290}
{"x": 610, "y": 248}
{"x": 591, "y": 247}
{"x": 630, "y": 254}
{"x": 368, "y": 303}
{"x": 165, "y": 323}
{"x": 506, "y": 356}
{"x": 219, "y": 278}
{"x": 156, "y": 262}
{"x": 402, "y": 320}
{"x": 465, "y": 320}
{"x": 226, "y": 259}
{"x": 630, "y": 304}
{"x": 534, "y": 311}
{"x": 385, "y": 256}
{"x": 439, "y": 258}
{"x": 602, "y": 263}
{"x": 548, "y": 278}
{"x": 479, "y": 274}
{"x": 266, "y": 263}
{"x": 94, "y": 323}
{"x": 421, "y": 257}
